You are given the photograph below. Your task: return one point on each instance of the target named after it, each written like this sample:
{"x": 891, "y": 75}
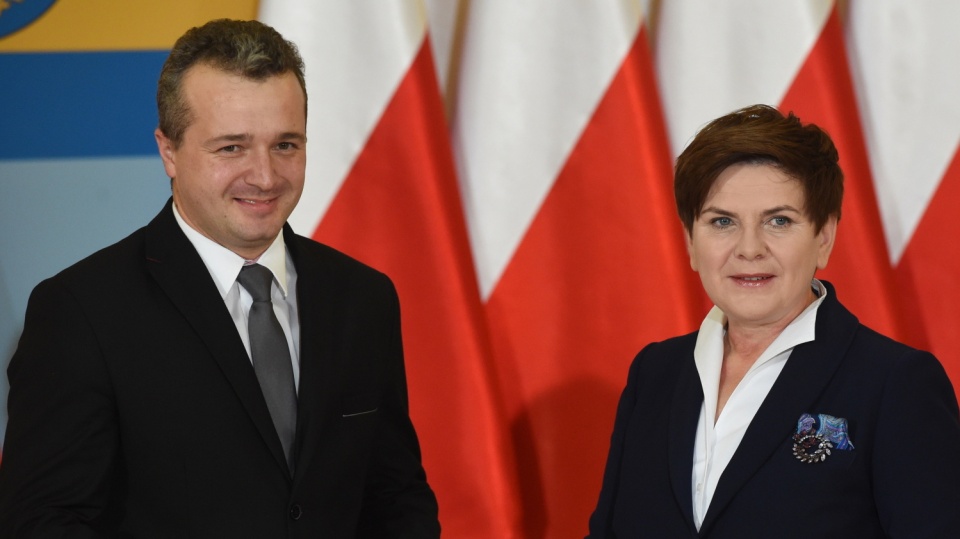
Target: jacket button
{"x": 295, "y": 512}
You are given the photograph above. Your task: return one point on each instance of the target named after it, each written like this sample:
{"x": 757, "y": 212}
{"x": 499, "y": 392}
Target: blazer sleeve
{"x": 917, "y": 454}
{"x": 397, "y": 500}
{"x": 61, "y": 444}
{"x": 600, "y": 520}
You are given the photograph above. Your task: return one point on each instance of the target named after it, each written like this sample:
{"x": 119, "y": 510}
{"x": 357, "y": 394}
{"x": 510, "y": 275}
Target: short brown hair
{"x": 250, "y": 49}
{"x": 760, "y": 135}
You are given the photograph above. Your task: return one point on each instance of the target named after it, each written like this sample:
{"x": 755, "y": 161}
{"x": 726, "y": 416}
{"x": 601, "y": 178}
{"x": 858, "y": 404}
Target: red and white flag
{"x": 567, "y": 185}
{"x": 901, "y": 54}
{"x": 892, "y": 112}
{"x": 381, "y": 186}
{"x": 519, "y": 326}
{"x": 713, "y": 58}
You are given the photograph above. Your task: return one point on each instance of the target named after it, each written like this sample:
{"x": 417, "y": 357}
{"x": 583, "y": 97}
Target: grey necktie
{"x": 271, "y": 356}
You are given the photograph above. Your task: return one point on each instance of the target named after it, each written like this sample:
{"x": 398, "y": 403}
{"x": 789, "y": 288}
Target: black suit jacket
{"x": 134, "y": 409}
{"x": 901, "y": 480}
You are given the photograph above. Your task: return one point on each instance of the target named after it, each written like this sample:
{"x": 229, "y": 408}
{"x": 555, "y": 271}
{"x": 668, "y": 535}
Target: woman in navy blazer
{"x": 782, "y": 416}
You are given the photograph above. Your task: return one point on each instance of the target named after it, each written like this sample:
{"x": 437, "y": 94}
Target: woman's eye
{"x": 780, "y": 221}
{"x": 722, "y": 222}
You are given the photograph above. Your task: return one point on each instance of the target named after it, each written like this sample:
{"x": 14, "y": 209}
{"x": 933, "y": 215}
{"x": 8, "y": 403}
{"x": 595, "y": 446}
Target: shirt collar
{"x": 224, "y": 265}
{"x": 708, "y": 351}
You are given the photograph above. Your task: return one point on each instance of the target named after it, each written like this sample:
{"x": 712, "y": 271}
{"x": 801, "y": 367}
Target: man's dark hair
{"x": 249, "y": 49}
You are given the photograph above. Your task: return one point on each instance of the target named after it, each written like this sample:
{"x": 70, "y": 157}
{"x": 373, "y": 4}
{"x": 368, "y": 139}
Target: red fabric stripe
{"x": 860, "y": 264}
{"x": 601, "y": 272}
{"x": 399, "y": 211}
{"x": 929, "y": 273}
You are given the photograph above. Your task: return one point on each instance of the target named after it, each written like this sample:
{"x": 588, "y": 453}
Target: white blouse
{"x": 717, "y": 442}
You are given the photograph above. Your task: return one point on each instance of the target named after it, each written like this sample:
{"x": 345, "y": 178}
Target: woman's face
{"x": 755, "y": 248}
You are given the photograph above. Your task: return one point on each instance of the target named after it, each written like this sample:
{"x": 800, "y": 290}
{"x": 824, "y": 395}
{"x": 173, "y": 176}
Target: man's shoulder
{"x": 109, "y": 277}
{"x": 130, "y": 254}
{"x": 108, "y": 262}
{"x": 311, "y": 255}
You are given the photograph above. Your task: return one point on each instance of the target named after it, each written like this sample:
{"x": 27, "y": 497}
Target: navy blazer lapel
{"x": 681, "y": 437}
{"x": 179, "y": 271}
{"x": 316, "y": 296}
{"x": 803, "y": 379}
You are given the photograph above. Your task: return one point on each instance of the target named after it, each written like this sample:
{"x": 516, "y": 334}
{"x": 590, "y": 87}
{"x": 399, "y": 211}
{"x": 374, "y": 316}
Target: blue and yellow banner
{"x": 80, "y": 75}
{"x": 78, "y": 161}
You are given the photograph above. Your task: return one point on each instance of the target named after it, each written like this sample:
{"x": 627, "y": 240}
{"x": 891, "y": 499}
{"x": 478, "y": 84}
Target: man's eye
{"x": 286, "y": 146}
{"x": 230, "y": 149}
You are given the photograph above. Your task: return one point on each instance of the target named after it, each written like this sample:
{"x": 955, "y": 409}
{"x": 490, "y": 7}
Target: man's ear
{"x": 168, "y": 153}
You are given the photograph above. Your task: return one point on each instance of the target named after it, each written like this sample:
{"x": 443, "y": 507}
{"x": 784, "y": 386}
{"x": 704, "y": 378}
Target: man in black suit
{"x": 146, "y": 396}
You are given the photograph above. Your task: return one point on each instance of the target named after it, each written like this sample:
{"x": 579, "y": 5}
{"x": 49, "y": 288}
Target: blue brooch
{"x": 817, "y": 436}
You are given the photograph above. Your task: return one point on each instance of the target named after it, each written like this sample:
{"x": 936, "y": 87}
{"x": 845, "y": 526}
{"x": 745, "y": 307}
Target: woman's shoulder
{"x": 668, "y": 354}
{"x": 883, "y": 348}
{"x": 680, "y": 343}
{"x": 876, "y": 360}
{"x": 838, "y": 326}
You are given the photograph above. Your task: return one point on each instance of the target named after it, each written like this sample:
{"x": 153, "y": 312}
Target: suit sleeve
{"x": 917, "y": 455}
{"x": 62, "y": 435}
{"x": 601, "y": 519}
{"x": 398, "y": 502}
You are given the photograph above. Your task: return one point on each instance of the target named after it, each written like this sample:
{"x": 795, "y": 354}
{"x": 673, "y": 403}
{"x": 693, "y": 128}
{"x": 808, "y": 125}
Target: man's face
{"x": 239, "y": 170}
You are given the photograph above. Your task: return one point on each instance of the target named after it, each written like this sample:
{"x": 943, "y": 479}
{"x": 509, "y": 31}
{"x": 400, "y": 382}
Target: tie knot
{"x": 256, "y": 279}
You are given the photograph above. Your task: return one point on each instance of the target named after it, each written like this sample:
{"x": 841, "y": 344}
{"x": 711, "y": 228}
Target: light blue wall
{"x": 55, "y": 212}
{"x": 78, "y": 167}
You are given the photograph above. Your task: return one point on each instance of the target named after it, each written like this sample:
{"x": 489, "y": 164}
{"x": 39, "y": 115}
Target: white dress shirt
{"x": 224, "y": 266}
{"x": 717, "y": 441}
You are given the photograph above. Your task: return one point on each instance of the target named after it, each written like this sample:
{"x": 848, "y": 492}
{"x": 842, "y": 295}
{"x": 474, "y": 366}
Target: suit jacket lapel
{"x": 179, "y": 271}
{"x": 803, "y": 379}
{"x": 684, "y": 415}
{"x": 318, "y": 393}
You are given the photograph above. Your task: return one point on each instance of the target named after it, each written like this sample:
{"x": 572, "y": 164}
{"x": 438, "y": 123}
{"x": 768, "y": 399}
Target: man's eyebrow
{"x": 232, "y": 137}
{"x": 245, "y": 137}
{"x": 292, "y": 135}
